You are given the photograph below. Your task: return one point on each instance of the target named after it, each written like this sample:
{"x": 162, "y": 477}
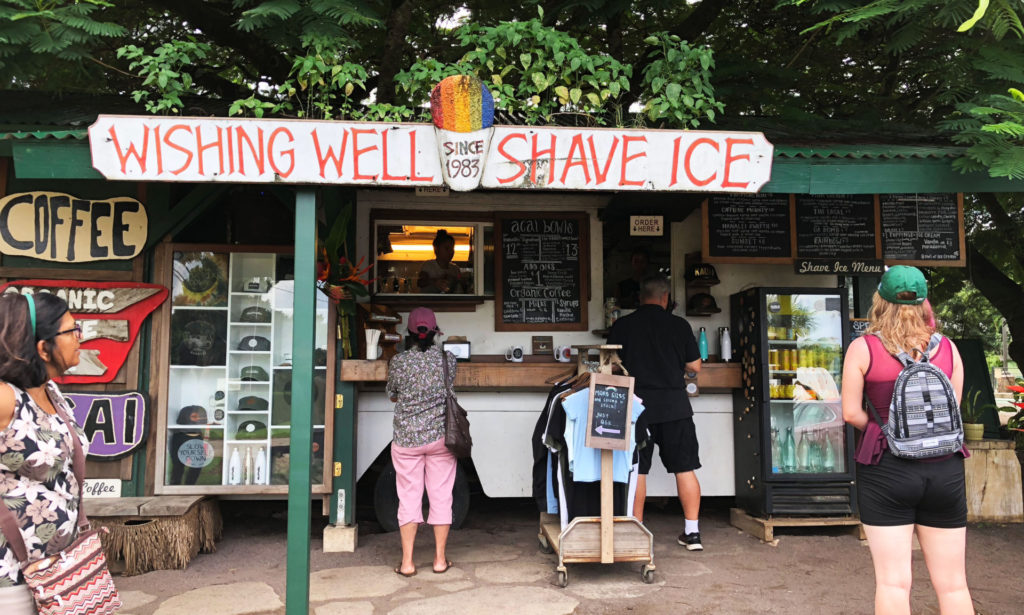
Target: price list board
{"x": 835, "y": 226}
{"x": 542, "y": 267}
{"x": 741, "y": 228}
{"x": 923, "y": 229}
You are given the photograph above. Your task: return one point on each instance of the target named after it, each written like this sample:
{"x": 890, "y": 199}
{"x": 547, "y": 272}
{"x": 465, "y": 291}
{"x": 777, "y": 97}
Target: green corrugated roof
{"x": 866, "y": 151}
{"x": 23, "y": 135}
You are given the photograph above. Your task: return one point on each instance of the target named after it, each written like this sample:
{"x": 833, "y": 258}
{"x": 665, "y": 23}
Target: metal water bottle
{"x": 702, "y": 344}
{"x": 725, "y": 343}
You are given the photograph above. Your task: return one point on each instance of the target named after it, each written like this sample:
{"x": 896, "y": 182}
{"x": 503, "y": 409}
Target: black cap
{"x": 251, "y": 430}
{"x": 254, "y": 342}
{"x": 254, "y": 373}
{"x": 192, "y": 415}
{"x": 701, "y": 272}
{"x": 254, "y": 313}
{"x": 252, "y": 402}
{"x": 702, "y": 303}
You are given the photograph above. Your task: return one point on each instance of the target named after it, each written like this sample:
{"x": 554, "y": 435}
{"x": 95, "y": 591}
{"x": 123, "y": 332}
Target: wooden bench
{"x": 156, "y": 532}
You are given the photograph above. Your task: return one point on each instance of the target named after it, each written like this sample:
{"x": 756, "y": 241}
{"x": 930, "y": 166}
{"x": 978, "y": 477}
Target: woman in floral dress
{"x": 39, "y": 341}
{"x": 416, "y": 385}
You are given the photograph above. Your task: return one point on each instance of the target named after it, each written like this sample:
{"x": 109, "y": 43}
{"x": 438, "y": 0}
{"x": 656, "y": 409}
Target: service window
{"x": 434, "y": 258}
{"x": 228, "y": 416}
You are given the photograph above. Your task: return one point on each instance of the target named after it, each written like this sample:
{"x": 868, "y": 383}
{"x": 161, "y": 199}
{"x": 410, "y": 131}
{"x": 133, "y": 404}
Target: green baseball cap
{"x": 903, "y": 279}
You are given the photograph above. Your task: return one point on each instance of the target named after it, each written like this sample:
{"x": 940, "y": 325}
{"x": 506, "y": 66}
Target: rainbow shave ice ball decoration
{"x": 463, "y": 112}
{"x": 461, "y": 103}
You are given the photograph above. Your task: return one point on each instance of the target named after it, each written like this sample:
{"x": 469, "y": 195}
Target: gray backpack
{"x": 924, "y": 417}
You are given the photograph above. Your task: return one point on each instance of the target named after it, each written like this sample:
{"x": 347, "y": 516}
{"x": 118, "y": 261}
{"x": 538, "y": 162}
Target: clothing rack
{"x": 605, "y": 539}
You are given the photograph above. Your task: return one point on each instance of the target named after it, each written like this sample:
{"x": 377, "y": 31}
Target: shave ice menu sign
{"x": 461, "y": 149}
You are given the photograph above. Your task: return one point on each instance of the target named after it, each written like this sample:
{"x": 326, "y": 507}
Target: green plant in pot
{"x": 971, "y": 411}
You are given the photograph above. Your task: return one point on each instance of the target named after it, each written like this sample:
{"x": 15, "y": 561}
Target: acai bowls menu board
{"x": 542, "y": 265}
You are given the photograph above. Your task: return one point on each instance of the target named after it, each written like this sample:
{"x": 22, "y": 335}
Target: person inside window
{"x": 629, "y": 289}
{"x": 441, "y": 275}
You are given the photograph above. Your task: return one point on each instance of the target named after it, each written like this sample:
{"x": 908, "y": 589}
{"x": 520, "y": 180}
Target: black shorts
{"x": 677, "y": 446}
{"x": 906, "y": 492}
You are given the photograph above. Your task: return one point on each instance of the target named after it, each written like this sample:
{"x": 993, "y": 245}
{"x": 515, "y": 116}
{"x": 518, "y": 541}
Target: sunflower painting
{"x": 200, "y": 279}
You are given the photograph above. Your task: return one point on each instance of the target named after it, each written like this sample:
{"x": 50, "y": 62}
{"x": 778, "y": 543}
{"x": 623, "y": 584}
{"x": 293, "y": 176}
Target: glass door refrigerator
{"x": 794, "y": 453}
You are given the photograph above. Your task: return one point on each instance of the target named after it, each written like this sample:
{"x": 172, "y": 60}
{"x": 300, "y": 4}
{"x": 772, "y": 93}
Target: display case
{"x": 794, "y": 452}
{"x": 226, "y": 423}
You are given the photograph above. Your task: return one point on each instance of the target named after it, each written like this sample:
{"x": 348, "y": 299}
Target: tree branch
{"x": 1003, "y": 293}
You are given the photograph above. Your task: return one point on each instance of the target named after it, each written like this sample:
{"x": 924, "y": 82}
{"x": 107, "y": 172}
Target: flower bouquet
{"x": 339, "y": 279}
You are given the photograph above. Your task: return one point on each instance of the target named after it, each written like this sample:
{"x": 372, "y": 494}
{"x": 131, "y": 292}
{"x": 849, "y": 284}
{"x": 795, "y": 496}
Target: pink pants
{"x": 431, "y": 465}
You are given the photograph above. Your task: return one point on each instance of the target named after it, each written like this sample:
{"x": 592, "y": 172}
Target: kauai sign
{"x": 114, "y": 423}
{"x": 62, "y": 228}
{"x": 110, "y": 314}
{"x": 462, "y": 149}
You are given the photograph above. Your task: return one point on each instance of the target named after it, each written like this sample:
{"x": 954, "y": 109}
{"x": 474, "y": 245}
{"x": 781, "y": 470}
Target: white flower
{"x": 9, "y": 565}
{"x": 47, "y": 454}
{"x": 30, "y": 490}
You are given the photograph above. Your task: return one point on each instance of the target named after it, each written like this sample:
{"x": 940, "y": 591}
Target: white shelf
{"x": 243, "y": 324}
{"x": 253, "y": 352}
{"x": 214, "y": 308}
{"x": 220, "y": 367}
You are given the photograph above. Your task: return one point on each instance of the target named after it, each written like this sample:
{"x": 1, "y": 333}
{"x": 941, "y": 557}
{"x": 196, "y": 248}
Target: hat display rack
{"x": 234, "y": 400}
{"x": 700, "y": 277}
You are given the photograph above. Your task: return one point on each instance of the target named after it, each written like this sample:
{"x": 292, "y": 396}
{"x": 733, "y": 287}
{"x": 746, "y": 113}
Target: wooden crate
{"x": 764, "y": 528}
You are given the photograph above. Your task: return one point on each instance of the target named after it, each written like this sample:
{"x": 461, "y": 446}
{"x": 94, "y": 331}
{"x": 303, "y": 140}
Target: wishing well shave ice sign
{"x": 462, "y": 150}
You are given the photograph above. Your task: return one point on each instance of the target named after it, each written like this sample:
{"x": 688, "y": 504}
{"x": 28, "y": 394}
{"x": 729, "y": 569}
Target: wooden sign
{"x": 541, "y": 260}
{"x": 101, "y": 488}
{"x": 835, "y": 226}
{"x": 58, "y": 227}
{"x": 646, "y": 226}
{"x": 610, "y": 412}
{"x": 110, "y": 314}
{"x": 114, "y": 423}
{"x": 146, "y": 148}
{"x": 923, "y": 229}
{"x": 741, "y": 227}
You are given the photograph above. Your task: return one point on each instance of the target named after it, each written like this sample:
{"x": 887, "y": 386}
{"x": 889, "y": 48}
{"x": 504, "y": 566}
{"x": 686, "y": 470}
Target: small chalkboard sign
{"x": 743, "y": 228}
{"x": 541, "y": 260}
{"x": 923, "y": 229}
{"x": 858, "y": 326}
{"x": 610, "y": 412}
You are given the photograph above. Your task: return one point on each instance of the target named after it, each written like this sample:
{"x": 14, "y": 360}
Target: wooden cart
{"x": 606, "y": 539}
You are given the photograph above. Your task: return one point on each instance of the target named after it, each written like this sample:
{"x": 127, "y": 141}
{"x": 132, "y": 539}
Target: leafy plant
{"x": 993, "y": 130}
{"x": 164, "y": 79}
{"x": 678, "y": 80}
{"x": 972, "y": 410}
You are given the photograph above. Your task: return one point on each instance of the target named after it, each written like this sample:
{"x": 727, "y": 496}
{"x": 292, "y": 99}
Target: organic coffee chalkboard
{"x": 835, "y": 226}
{"x": 922, "y": 229}
{"x": 609, "y": 412}
{"x": 739, "y": 227}
{"x": 542, "y": 267}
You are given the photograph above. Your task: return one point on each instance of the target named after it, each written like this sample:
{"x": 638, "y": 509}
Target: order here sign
{"x": 144, "y": 148}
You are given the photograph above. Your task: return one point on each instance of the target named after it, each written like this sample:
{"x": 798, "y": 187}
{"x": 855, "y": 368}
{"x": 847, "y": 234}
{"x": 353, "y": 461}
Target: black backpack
{"x": 924, "y": 417}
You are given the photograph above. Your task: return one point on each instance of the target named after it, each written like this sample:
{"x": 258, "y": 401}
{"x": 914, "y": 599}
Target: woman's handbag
{"x": 76, "y": 580}
{"x": 456, "y": 419}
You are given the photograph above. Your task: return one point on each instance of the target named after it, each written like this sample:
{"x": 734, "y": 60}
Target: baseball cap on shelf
{"x": 255, "y": 313}
{"x": 254, "y": 343}
{"x": 192, "y": 415}
{"x": 701, "y": 272}
{"x": 254, "y": 373}
{"x": 251, "y": 430}
{"x": 422, "y": 317}
{"x": 906, "y": 281}
{"x": 702, "y": 303}
{"x": 252, "y": 402}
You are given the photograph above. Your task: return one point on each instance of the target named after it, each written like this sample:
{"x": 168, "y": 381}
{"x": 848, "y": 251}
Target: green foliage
{"x": 964, "y": 313}
{"x": 993, "y": 131}
{"x": 33, "y": 33}
{"x": 678, "y": 79}
{"x": 312, "y": 21}
{"x": 164, "y": 79}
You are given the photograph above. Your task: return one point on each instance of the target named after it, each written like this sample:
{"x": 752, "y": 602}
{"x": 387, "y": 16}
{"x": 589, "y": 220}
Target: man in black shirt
{"x": 658, "y": 348}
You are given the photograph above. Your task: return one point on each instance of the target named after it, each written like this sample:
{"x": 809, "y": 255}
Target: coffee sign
{"x": 62, "y": 228}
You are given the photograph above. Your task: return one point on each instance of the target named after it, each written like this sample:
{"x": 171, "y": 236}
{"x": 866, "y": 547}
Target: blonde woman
{"x": 898, "y": 497}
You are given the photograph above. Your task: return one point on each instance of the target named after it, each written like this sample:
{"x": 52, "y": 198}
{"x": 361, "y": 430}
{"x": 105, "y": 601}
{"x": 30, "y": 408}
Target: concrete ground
{"x": 499, "y": 569}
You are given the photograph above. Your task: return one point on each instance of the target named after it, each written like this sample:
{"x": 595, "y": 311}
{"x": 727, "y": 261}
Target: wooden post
{"x": 607, "y": 509}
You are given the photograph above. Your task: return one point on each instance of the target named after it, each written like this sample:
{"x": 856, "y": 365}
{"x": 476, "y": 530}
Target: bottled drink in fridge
{"x": 789, "y": 452}
{"x": 814, "y": 453}
{"x": 776, "y": 451}
{"x": 829, "y": 461}
{"x": 803, "y": 454}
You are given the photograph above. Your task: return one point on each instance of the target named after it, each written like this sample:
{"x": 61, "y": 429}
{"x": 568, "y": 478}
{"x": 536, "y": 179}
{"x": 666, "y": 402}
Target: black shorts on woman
{"x": 900, "y": 491}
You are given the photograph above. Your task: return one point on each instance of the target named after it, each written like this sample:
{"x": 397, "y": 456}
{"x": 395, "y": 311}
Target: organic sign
{"x": 114, "y": 423}
{"x": 609, "y": 412}
{"x": 110, "y": 314}
{"x": 143, "y": 148}
{"x": 62, "y": 228}
{"x": 541, "y": 262}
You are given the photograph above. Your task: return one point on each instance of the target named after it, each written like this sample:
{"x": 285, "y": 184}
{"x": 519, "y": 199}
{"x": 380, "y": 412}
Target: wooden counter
{"x": 494, "y": 373}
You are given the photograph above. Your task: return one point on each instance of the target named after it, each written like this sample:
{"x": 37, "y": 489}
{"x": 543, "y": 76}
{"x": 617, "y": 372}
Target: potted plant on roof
{"x": 971, "y": 412}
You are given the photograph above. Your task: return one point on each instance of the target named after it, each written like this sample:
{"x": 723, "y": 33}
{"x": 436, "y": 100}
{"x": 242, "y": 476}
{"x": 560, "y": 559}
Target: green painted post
{"x": 300, "y": 451}
{"x": 345, "y": 453}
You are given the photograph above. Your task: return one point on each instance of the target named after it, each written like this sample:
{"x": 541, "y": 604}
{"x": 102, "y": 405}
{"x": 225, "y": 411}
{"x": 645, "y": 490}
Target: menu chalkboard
{"x": 835, "y": 226}
{"x": 741, "y": 226}
{"x": 541, "y": 262}
{"x": 609, "y": 412}
{"x": 922, "y": 229}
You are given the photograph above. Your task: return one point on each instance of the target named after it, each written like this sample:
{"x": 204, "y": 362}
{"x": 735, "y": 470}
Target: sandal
{"x": 398, "y": 570}
{"x": 447, "y": 564}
